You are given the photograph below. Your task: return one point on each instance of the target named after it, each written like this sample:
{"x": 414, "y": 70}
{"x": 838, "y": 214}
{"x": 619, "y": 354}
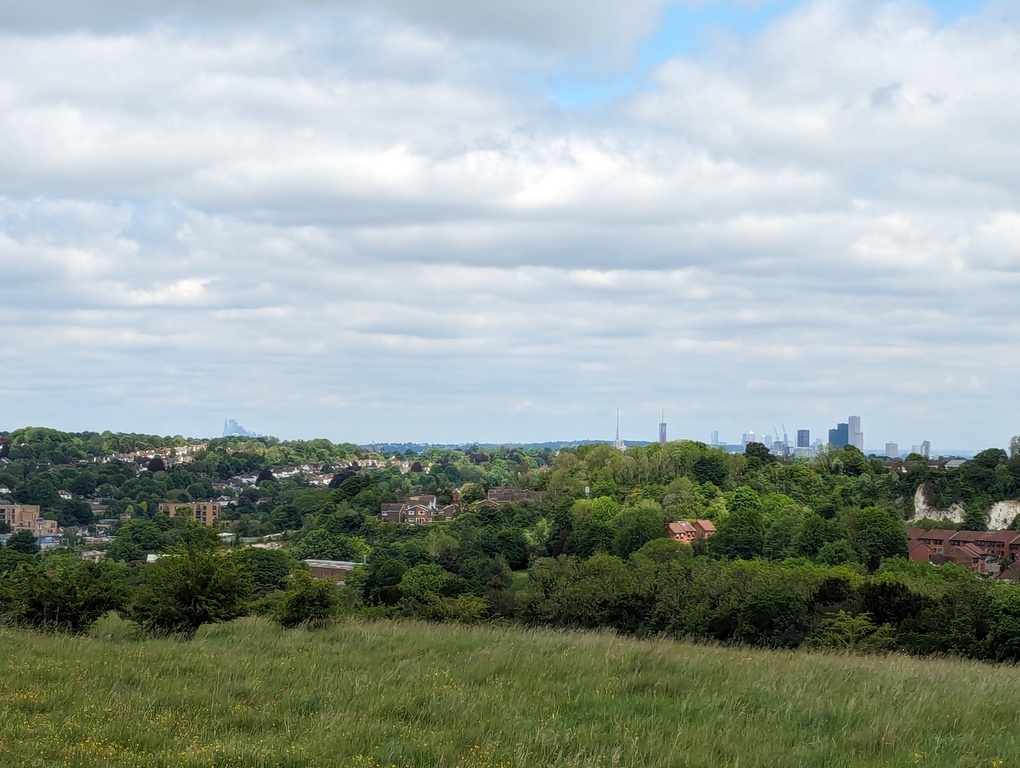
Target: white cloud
{"x": 245, "y": 221}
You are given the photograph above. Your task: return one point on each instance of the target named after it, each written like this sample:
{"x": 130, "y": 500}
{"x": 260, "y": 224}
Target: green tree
{"x": 471, "y": 492}
{"x": 635, "y": 528}
{"x": 848, "y": 632}
{"x": 742, "y": 533}
{"x": 307, "y": 602}
{"x": 63, "y": 594}
{"x": 876, "y": 535}
{"x": 23, "y": 541}
{"x": 186, "y": 588}
{"x": 266, "y": 569}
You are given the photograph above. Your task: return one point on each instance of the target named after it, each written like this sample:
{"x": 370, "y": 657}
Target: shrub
{"x": 186, "y": 588}
{"x": 64, "y": 594}
{"x": 307, "y": 602}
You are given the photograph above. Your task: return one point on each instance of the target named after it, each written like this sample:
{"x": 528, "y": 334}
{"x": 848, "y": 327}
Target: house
{"x": 937, "y": 538}
{"x": 688, "y": 533}
{"x": 419, "y": 514}
{"x": 418, "y": 509}
{"x": 703, "y": 529}
{"x": 969, "y": 557}
{"x": 913, "y": 535}
{"x": 206, "y": 512}
{"x": 682, "y": 531}
{"x": 391, "y": 513}
{"x": 1011, "y": 573}
{"x": 997, "y": 543}
{"x": 920, "y": 552}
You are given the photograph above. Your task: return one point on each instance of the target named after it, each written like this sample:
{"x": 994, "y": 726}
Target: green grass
{"x": 408, "y": 694}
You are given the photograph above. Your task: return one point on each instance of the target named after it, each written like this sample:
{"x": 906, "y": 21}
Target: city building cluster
{"x": 843, "y": 434}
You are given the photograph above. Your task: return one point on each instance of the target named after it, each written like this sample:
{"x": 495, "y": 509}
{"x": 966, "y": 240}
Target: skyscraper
{"x": 892, "y": 450}
{"x": 926, "y": 449}
{"x": 715, "y": 437}
{"x": 840, "y": 436}
{"x": 662, "y": 429}
{"x": 855, "y": 437}
{"x": 803, "y": 438}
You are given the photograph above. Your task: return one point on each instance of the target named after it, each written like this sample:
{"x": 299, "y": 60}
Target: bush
{"x": 64, "y": 594}
{"x": 307, "y": 602}
{"x": 265, "y": 569}
{"x": 186, "y": 588}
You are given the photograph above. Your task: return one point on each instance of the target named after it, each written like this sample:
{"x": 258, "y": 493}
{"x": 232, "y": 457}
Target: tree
{"x": 322, "y": 545}
{"x": 63, "y": 594}
{"x": 23, "y": 541}
{"x": 265, "y": 569}
{"x": 471, "y": 492}
{"x": 742, "y": 533}
{"x": 875, "y": 535}
{"x": 757, "y": 455}
{"x": 635, "y": 528}
{"x": 137, "y": 538}
{"x": 307, "y": 602}
{"x": 975, "y": 518}
{"x": 186, "y": 588}
{"x": 848, "y": 632}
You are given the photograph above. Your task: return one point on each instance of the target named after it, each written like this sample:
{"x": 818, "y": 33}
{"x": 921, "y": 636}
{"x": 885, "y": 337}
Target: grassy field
{"x": 405, "y": 694}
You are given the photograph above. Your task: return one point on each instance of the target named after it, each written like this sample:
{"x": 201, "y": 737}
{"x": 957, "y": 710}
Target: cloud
{"x": 200, "y": 218}
{"x": 554, "y": 28}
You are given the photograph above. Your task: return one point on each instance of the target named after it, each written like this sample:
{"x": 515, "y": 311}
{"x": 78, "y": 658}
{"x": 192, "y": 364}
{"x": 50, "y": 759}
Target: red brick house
{"x": 682, "y": 531}
{"x": 703, "y": 529}
{"x": 920, "y": 552}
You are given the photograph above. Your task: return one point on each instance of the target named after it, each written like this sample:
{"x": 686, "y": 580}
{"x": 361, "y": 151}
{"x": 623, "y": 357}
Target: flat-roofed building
{"x": 26, "y": 517}
{"x": 205, "y": 512}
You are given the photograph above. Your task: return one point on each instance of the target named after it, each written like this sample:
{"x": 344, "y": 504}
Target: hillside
{"x": 409, "y": 694}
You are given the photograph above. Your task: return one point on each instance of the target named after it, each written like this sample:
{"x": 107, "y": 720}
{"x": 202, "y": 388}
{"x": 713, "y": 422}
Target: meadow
{"x": 381, "y": 693}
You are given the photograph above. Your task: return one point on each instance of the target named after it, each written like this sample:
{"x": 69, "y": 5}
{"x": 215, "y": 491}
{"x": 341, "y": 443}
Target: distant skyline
{"x": 455, "y": 221}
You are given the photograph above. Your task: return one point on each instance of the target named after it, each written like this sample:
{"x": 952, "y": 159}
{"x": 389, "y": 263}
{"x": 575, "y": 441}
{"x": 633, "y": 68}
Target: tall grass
{"x": 404, "y": 694}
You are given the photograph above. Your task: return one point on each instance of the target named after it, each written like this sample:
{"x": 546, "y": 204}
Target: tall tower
{"x": 619, "y": 443}
{"x": 662, "y": 428}
{"x": 855, "y": 436}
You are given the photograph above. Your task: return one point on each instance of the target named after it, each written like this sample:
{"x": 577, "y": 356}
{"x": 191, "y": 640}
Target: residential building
{"x": 703, "y": 529}
{"x": 205, "y": 512}
{"x": 682, "y": 531}
{"x": 27, "y": 517}
{"x": 419, "y": 509}
{"x": 687, "y": 533}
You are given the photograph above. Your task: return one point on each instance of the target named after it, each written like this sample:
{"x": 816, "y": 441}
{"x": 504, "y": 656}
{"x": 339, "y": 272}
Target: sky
{"x": 452, "y": 221}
